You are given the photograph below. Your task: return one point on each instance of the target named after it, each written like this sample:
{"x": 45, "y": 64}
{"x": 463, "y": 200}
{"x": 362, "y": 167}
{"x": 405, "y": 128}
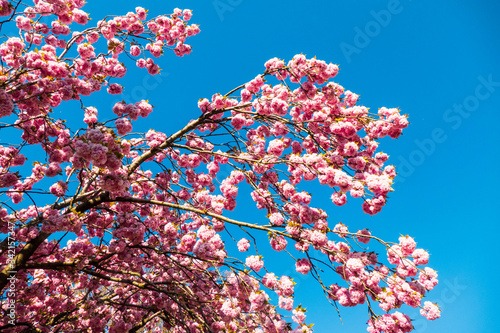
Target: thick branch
{"x": 21, "y": 258}
{"x": 25, "y": 254}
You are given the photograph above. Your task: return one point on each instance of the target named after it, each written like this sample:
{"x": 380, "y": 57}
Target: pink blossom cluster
{"x": 430, "y": 311}
{"x": 6, "y": 8}
{"x": 396, "y": 322}
{"x": 402, "y": 253}
{"x": 255, "y": 263}
{"x": 364, "y": 275}
{"x": 320, "y": 106}
{"x": 6, "y": 104}
{"x": 145, "y": 211}
{"x": 278, "y": 243}
{"x": 363, "y": 236}
{"x": 303, "y": 266}
{"x": 57, "y": 80}
{"x": 59, "y": 189}
{"x": 98, "y": 147}
{"x": 316, "y": 71}
{"x": 133, "y": 111}
{"x": 243, "y": 245}
{"x": 391, "y": 124}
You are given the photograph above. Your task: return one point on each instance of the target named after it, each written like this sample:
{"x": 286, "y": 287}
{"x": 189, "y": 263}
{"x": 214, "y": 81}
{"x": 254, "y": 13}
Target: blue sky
{"x": 435, "y": 60}
{"x": 427, "y": 58}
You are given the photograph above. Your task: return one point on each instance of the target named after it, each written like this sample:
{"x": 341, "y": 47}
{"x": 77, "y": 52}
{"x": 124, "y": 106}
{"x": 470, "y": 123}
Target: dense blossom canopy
{"x": 146, "y": 213}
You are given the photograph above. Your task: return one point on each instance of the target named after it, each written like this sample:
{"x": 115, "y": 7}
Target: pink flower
{"x": 243, "y": 245}
{"x": 229, "y": 309}
{"x": 80, "y": 17}
{"x": 303, "y": 266}
{"x": 135, "y": 51}
{"x": 257, "y": 300}
{"x": 6, "y": 104}
{"x": 361, "y": 234}
{"x": 255, "y": 263}
{"x": 92, "y": 37}
{"x": 420, "y": 257}
{"x": 406, "y": 268}
{"x": 177, "y": 12}
{"x": 155, "y": 49}
{"x": 278, "y": 243}
{"x": 205, "y": 233}
{"x": 141, "y": 63}
{"x": 144, "y": 108}
{"x": 150, "y": 65}
{"x": 90, "y": 115}
{"x": 246, "y": 95}
{"x": 430, "y": 311}
{"x": 390, "y": 322}
{"x": 394, "y": 254}
{"x": 53, "y": 170}
{"x": 123, "y": 126}
{"x": 115, "y": 89}
{"x": 270, "y": 280}
{"x": 238, "y": 122}
{"x": 86, "y": 51}
{"x": 182, "y": 49}
{"x": 6, "y": 8}
{"x": 339, "y": 198}
{"x": 8, "y": 179}
{"x": 59, "y": 189}
{"x": 213, "y": 167}
{"x": 357, "y": 163}
{"x": 120, "y": 108}
{"x": 428, "y": 278}
{"x": 355, "y": 264}
{"x": 350, "y": 98}
{"x": 407, "y": 245}
{"x": 285, "y": 303}
{"x": 141, "y": 13}
{"x": 113, "y": 183}
{"x": 350, "y": 149}
{"x": 318, "y": 238}
{"x": 340, "y": 229}
{"x": 299, "y": 316}
{"x": 276, "y": 219}
{"x": 285, "y": 286}
{"x": 186, "y": 14}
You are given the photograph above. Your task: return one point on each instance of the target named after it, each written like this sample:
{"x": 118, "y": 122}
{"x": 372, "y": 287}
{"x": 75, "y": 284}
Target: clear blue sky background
{"x": 427, "y": 58}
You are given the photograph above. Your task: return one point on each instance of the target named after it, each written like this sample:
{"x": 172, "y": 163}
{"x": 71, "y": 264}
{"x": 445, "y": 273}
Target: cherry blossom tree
{"x": 105, "y": 229}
